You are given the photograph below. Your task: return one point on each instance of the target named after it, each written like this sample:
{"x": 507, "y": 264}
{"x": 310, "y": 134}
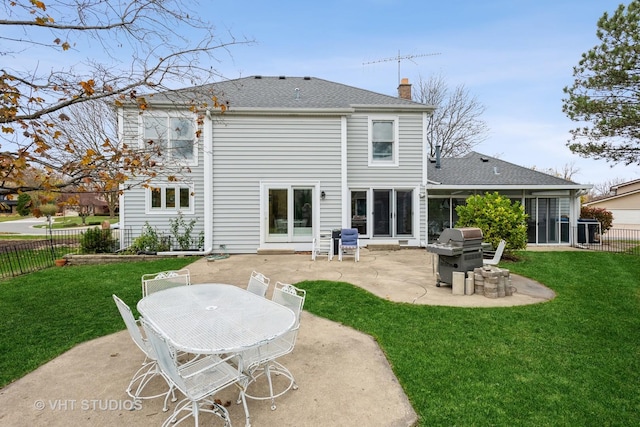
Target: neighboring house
{"x": 623, "y": 203}
{"x": 552, "y": 204}
{"x": 292, "y": 156}
{"x": 8, "y": 202}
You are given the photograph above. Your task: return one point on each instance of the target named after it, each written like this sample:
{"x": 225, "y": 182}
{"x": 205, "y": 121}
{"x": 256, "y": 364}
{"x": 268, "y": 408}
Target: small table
{"x": 215, "y": 318}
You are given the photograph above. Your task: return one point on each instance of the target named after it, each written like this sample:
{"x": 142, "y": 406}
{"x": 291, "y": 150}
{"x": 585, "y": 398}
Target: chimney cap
{"x": 404, "y": 81}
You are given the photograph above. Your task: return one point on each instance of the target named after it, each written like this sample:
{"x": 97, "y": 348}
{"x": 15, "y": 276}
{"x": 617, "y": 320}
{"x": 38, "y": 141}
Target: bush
{"x": 603, "y": 216}
{"x": 24, "y": 204}
{"x": 97, "y": 241}
{"x": 150, "y": 241}
{"x": 181, "y": 232}
{"x": 498, "y": 219}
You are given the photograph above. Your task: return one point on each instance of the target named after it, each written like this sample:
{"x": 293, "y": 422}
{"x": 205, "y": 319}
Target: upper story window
{"x": 383, "y": 141}
{"x": 170, "y": 198}
{"x": 172, "y": 135}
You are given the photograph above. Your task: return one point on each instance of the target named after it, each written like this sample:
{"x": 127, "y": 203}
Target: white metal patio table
{"x": 215, "y": 318}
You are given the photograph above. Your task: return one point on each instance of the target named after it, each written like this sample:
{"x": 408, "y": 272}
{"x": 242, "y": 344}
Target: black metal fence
{"x": 613, "y": 240}
{"x": 26, "y": 256}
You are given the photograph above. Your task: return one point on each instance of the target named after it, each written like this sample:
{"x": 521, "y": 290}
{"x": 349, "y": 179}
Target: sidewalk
{"x": 343, "y": 377}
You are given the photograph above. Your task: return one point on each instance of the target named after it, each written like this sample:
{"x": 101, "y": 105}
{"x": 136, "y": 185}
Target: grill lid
{"x": 460, "y": 235}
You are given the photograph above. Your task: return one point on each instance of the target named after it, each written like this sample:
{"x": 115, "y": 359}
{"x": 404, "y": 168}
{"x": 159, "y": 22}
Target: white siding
{"x": 408, "y": 173}
{"x": 249, "y": 150}
{"x": 133, "y": 214}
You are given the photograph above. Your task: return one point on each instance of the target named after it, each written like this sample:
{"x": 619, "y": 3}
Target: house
{"x": 8, "y": 202}
{"x": 552, "y": 204}
{"x": 624, "y": 204}
{"x": 292, "y": 156}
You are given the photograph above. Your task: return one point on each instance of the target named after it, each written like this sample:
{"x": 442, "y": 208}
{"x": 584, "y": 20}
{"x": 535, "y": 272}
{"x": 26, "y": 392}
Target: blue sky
{"x": 514, "y": 56}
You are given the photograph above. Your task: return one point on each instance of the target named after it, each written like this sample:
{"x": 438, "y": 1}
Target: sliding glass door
{"x": 390, "y": 212}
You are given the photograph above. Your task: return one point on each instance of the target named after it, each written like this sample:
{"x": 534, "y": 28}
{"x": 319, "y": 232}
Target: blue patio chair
{"x": 349, "y": 243}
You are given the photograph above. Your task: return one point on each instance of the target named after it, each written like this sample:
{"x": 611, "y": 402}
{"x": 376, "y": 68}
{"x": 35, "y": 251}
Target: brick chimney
{"x": 404, "y": 90}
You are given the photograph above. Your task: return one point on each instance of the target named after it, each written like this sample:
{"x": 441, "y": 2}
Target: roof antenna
{"x": 399, "y": 58}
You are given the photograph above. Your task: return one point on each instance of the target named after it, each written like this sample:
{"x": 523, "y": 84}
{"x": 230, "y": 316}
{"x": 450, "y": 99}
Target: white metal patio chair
{"x": 260, "y": 362}
{"x": 497, "y": 255}
{"x": 154, "y": 282}
{"x": 149, "y": 369}
{"x": 258, "y": 284}
{"x": 199, "y": 380}
{"x": 348, "y": 243}
{"x": 322, "y": 245}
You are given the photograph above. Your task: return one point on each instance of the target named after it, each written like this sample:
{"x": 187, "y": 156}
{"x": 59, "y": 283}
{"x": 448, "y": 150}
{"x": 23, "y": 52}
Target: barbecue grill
{"x": 458, "y": 249}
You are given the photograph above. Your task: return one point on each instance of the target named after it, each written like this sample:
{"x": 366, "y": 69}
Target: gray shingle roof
{"x": 480, "y": 170}
{"x": 261, "y": 92}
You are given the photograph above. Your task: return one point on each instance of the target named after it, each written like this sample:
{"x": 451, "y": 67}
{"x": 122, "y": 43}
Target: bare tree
{"x": 91, "y": 128}
{"x": 456, "y": 124}
{"x": 567, "y": 171}
{"x": 61, "y": 53}
{"x": 604, "y": 188}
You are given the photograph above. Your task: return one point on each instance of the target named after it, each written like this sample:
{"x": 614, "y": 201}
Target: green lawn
{"x": 571, "y": 361}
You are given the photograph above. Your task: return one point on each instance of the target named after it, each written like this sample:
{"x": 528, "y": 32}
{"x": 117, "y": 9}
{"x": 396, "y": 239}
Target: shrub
{"x": 498, "y": 219}
{"x": 24, "y": 204}
{"x": 182, "y": 238}
{"x": 97, "y": 241}
{"x": 603, "y": 216}
{"x": 149, "y": 241}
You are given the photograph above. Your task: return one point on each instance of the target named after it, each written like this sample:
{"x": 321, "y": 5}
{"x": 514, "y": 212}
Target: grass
{"x": 572, "y": 361}
{"x": 7, "y": 217}
{"x": 76, "y": 221}
{"x": 48, "y": 312}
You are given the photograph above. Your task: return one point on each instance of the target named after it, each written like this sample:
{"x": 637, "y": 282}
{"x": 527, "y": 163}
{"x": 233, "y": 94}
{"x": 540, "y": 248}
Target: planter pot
{"x": 60, "y": 262}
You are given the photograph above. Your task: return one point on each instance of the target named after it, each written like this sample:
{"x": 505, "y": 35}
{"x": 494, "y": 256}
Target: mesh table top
{"x": 215, "y": 318}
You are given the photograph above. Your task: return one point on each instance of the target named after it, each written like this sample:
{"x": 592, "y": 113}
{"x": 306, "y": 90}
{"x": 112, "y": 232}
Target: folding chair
{"x": 349, "y": 242}
{"x": 322, "y": 245}
{"x": 497, "y": 255}
{"x": 154, "y": 282}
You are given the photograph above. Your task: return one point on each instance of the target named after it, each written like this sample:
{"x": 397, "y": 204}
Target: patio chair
{"x": 349, "y": 243}
{"x": 149, "y": 369}
{"x": 322, "y": 245}
{"x": 199, "y": 380}
{"x": 258, "y": 284}
{"x": 260, "y": 362}
{"x": 154, "y": 282}
{"x": 497, "y": 255}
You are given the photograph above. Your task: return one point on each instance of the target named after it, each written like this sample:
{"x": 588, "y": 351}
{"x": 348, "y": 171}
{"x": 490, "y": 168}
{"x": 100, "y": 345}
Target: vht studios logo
{"x": 87, "y": 405}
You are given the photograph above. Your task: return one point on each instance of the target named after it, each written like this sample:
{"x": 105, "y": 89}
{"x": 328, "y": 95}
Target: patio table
{"x": 215, "y": 318}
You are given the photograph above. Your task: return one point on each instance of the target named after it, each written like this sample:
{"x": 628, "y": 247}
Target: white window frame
{"x": 163, "y": 209}
{"x": 395, "y": 143}
{"x": 168, "y": 115}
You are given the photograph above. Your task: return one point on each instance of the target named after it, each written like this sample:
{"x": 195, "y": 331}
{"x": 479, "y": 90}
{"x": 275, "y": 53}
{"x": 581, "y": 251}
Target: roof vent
{"x": 297, "y": 93}
{"x": 484, "y": 159}
{"x": 495, "y": 170}
{"x": 258, "y": 77}
{"x": 282, "y": 77}
{"x": 307, "y": 78}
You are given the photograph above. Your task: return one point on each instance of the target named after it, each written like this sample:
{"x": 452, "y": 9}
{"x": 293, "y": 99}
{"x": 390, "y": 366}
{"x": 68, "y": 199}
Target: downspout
{"x": 425, "y": 174}
{"x": 207, "y": 156}
{"x": 345, "y": 199}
